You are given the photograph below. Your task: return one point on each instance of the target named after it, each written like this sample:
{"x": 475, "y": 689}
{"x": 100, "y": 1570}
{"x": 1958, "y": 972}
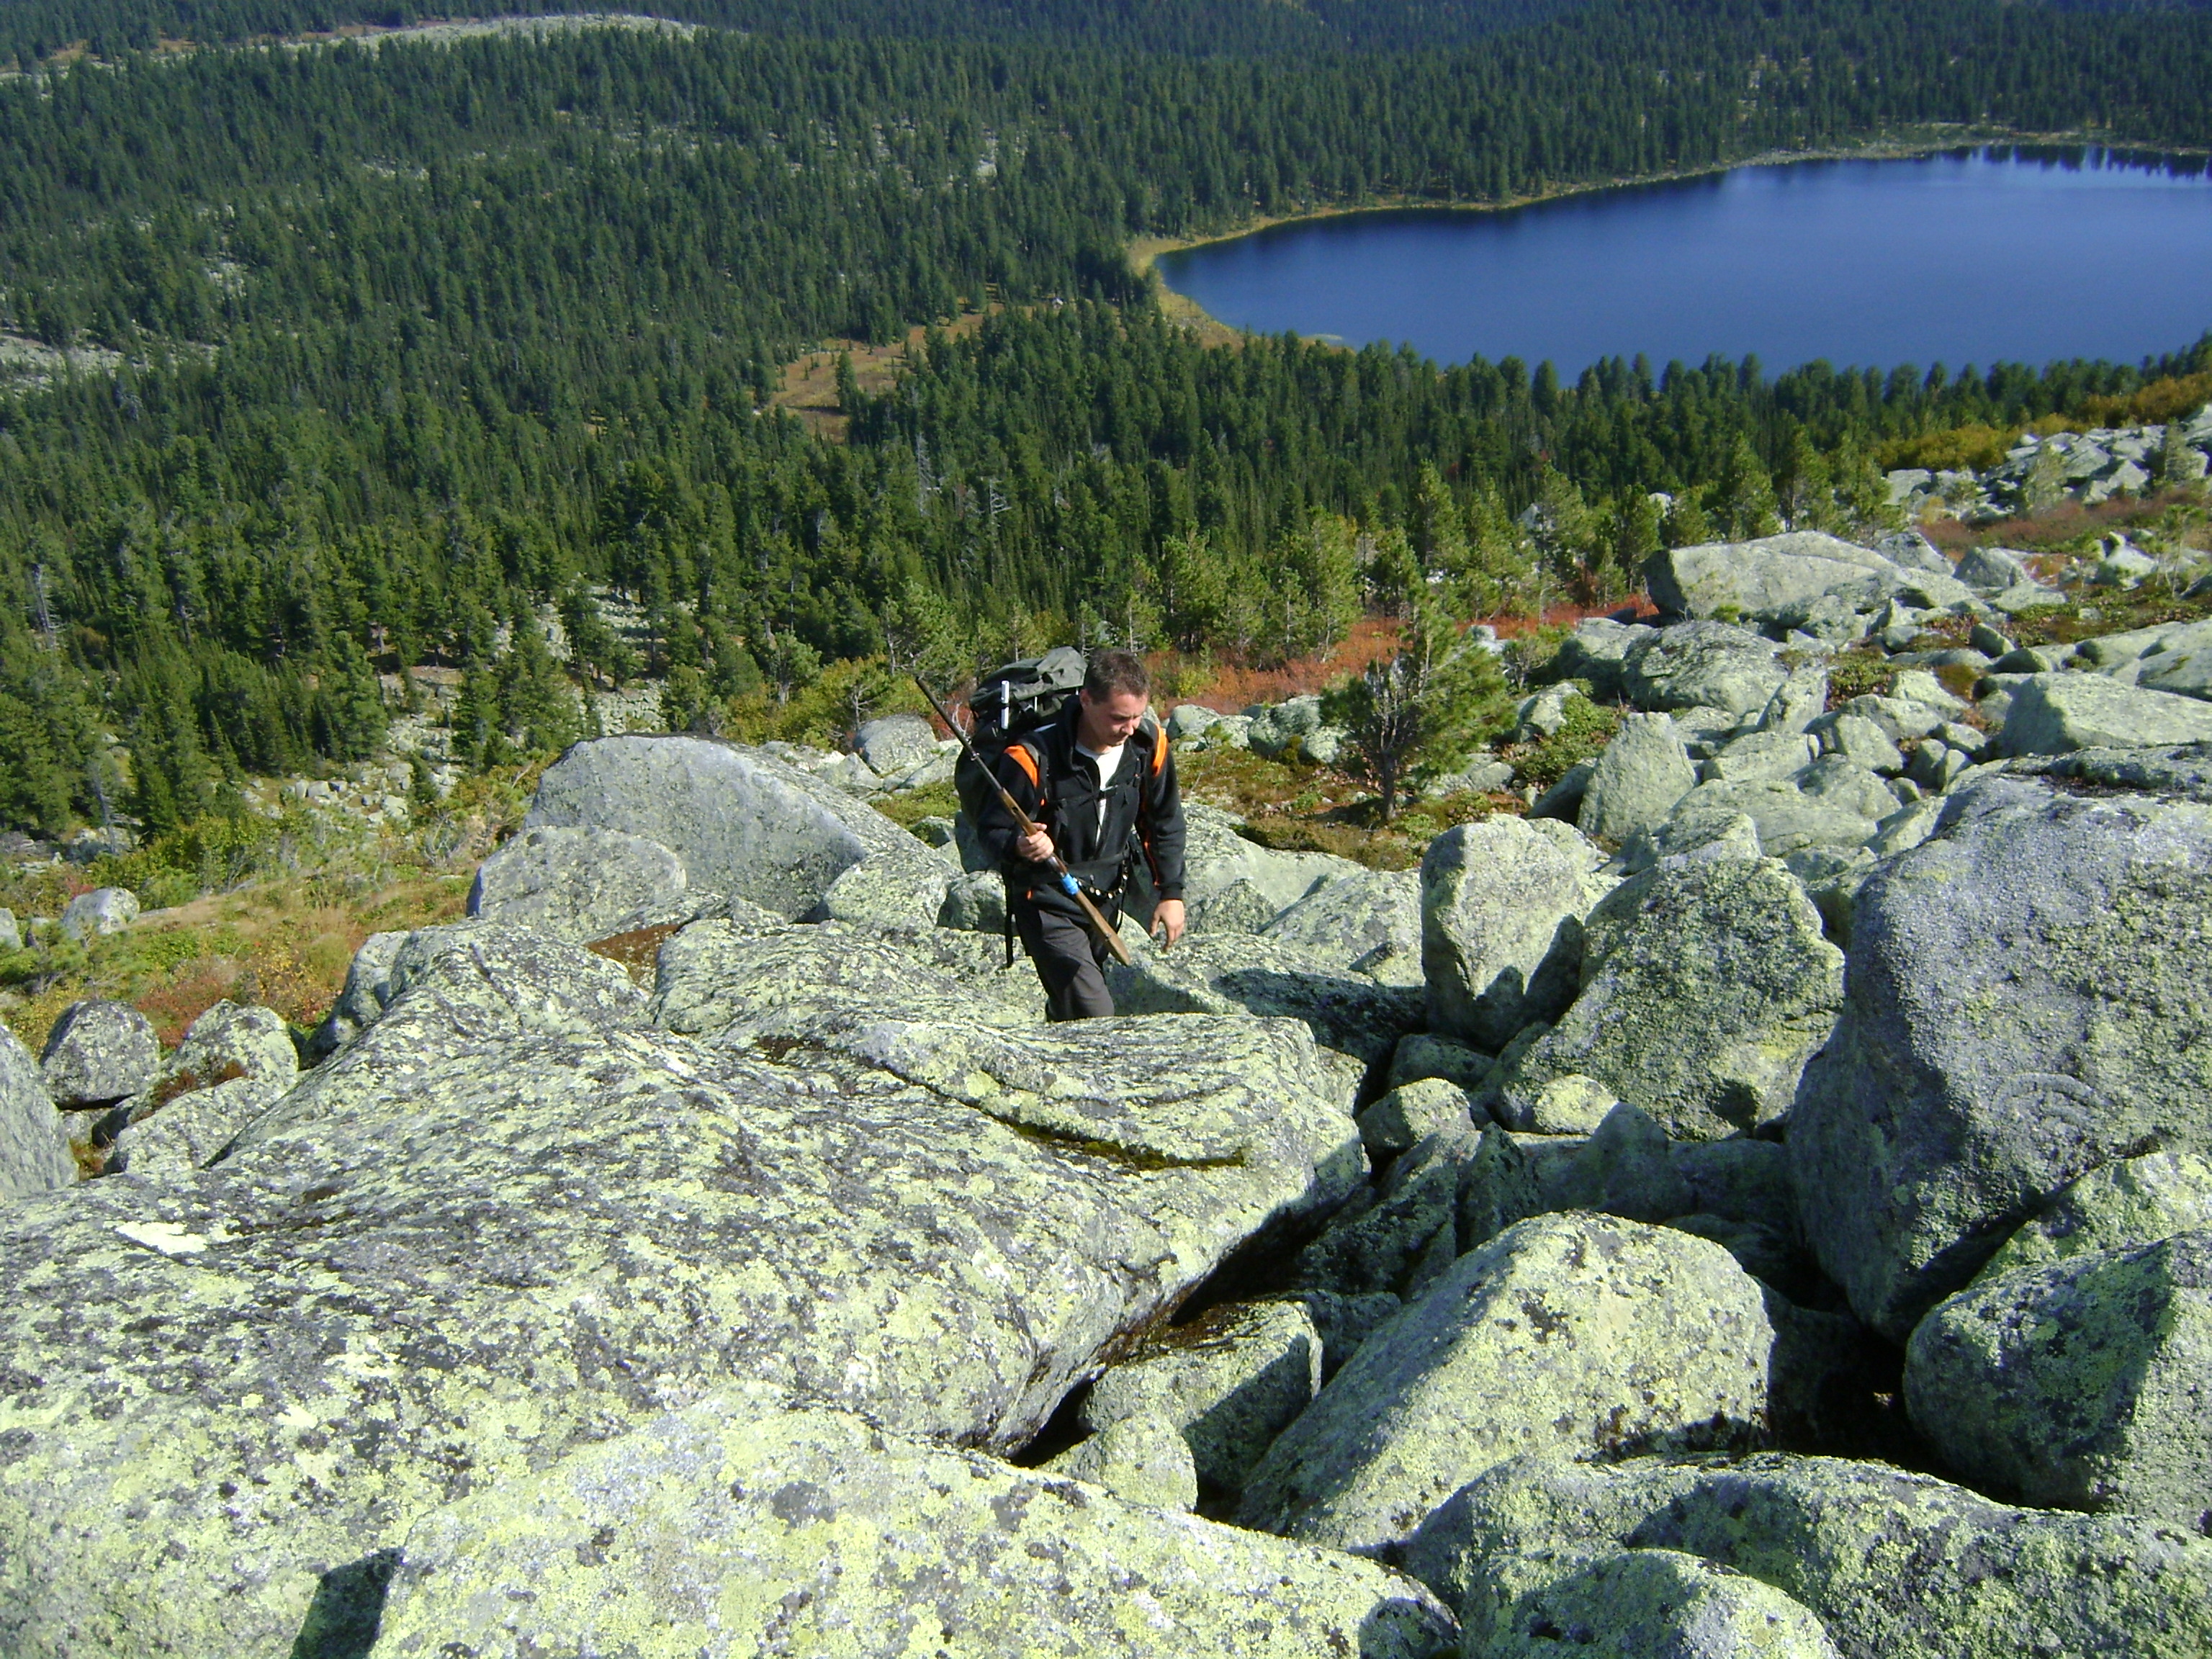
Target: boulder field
{"x": 1770, "y": 1216}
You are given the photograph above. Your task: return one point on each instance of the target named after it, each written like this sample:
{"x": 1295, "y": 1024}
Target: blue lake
{"x": 1963, "y": 258}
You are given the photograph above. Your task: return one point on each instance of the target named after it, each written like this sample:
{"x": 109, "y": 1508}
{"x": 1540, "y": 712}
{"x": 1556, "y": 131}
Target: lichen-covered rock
{"x": 2173, "y": 768}
{"x": 2180, "y": 664}
{"x": 1569, "y": 1104}
{"x": 34, "y": 1150}
{"x": 742, "y": 821}
{"x": 2080, "y": 1385}
{"x": 1238, "y": 908}
{"x": 1410, "y": 1111}
{"x": 713, "y": 1534}
{"x": 1141, "y": 1459}
{"x": 1640, "y": 775}
{"x": 361, "y": 1002}
{"x": 1593, "y": 653}
{"x": 1787, "y": 818}
{"x": 1563, "y": 1334}
{"x": 1404, "y": 1234}
{"x": 1704, "y": 836}
{"x": 1369, "y": 922}
{"x": 1891, "y": 1563}
{"x": 186, "y": 1132}
{"x": 1215, "y": 854}
{"x": 1421, "y": 1054}
{"x": 233, "y": 1062}
{"x": 1502, "y": 904}
{"x": 1703, "y": 990}
{"x": 899, "y": 893}
{"x": 895, "y": 742}
{"x": 1703, "y": 665}
{"x": 98, "y": 1051}
{"x": 1346, "y": 1008}
{"x": 1861, "y": 742}
{"x": 1838, "y": 781}
{"x": 103, "y": 910}
{"x": 242, "y": 1039}
{"x": 975, "y": 903}
{"x": 515, "y": 1217}
{"x": 2050, "y": 714}
{"x": 733, "y": 988}
{"x": 579, "y": 884}
{"x": 1632, "y": 1604}
{"x": 2024, "y": 1001}
{"x": 2131, "y": 1201}
{"x": 1229, "y": 1381}
{"x": 1745, "y": 578}
{"x": 1798, "y": 702}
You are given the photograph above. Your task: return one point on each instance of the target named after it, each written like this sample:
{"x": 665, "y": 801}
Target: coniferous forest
{"x": 336, "y": 359}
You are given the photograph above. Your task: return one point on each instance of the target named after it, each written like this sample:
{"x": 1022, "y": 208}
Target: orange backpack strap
{"x": 1160, "y": 750}
{"x": 1019, "y": 754}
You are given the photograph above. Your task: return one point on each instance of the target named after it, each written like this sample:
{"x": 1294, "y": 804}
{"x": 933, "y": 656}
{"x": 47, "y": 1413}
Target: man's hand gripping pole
{"x": 1068, "y": 885}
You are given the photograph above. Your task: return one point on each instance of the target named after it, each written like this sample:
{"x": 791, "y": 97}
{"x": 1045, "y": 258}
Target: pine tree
{"x": 1428, "y": 701}
{"x": 1747, "y": 504}
{"x": 538, "y": 709}
{"x": 349, "y": 718}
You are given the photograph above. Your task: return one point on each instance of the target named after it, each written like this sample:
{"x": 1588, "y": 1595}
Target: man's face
{"x": 1111, "y": 720}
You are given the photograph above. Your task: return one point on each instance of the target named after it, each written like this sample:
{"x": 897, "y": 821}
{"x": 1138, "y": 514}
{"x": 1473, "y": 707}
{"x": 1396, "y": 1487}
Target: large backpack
{"x": 1008, "y": 703}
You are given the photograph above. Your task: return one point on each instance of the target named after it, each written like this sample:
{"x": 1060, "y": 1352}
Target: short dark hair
{"x": 1116, "y": 673}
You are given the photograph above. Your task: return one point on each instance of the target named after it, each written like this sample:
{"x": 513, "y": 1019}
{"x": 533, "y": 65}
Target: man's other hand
{"x": 1035, "y": 847}
{"x": 1168, "y": 921}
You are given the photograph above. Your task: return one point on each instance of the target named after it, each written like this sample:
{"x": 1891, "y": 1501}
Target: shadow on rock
{"x": 347, "y": 1614}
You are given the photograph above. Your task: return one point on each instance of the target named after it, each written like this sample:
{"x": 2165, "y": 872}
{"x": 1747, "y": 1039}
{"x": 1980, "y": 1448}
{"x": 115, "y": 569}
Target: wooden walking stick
{"x": 1068, "y": 885}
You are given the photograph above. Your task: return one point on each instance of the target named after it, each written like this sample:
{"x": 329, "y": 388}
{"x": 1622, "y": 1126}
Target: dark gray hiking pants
{"x": 1070, "y": 960}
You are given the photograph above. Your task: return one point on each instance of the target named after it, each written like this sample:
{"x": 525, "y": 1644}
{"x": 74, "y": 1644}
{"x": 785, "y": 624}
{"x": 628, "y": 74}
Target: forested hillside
{"x": 32, "y": 30}
{"x": 334, "y": 361}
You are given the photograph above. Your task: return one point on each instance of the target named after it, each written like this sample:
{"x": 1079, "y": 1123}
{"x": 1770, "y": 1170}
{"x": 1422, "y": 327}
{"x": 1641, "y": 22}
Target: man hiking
{"x": 1099, "y": 783}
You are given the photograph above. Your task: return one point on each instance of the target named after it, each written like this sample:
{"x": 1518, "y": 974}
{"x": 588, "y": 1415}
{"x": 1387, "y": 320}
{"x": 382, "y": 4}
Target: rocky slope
{"x": 706, "y": 1248}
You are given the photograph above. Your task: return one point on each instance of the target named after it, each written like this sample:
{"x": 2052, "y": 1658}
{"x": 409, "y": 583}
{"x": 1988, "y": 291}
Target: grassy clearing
{"x": 292, "y": 899}
{"x": 806, "y": 386}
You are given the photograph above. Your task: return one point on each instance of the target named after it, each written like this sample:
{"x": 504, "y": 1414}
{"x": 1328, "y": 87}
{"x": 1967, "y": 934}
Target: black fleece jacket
{"x": 1144, "y": 813}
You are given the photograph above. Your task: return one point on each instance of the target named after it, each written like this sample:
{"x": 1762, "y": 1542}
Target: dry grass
{"x": 284, "y": 937}
{"x": 2177, "y": 515}
{"x": 276, "y": 943}
{"x": 637, "y": 952}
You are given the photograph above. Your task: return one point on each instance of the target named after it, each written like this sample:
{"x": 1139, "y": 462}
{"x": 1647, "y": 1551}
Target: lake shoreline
{"x": 1143, "y": 252}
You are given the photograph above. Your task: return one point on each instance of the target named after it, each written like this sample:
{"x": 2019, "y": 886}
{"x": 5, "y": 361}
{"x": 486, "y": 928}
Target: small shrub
{"x": 1958, "y": 678}
{"x": 40, "y": 889}
{"x": 1527, "y": 659}
{"x": 208, "y": 856}
{"x": 1585, "y": 732}
{"x": 1862, "y": 672}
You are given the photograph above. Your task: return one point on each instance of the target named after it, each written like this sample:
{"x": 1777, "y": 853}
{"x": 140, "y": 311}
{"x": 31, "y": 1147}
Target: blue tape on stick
{"x": 1067, "y": 886}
